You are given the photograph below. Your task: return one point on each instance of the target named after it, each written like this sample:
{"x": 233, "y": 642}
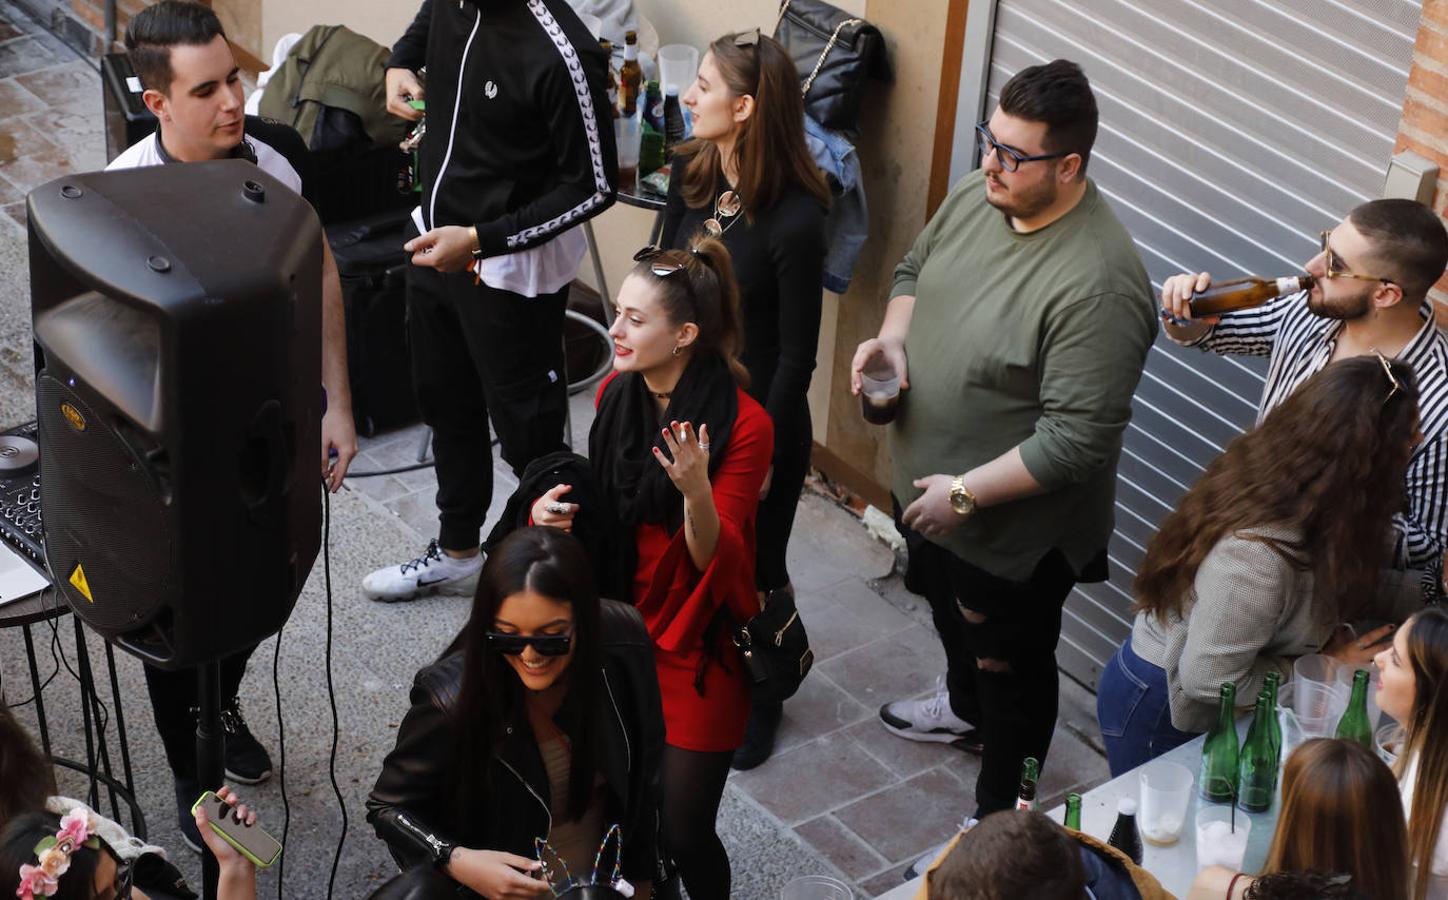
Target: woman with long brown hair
{"x": 1413, "y": 689}
{"x": 1284, "y": 538}
{"x": 1341, "y": 814}
{"x": 748, "y": 176}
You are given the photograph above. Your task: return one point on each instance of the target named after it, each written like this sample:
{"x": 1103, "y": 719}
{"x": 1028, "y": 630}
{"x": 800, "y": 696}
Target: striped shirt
{"x": 1299, "y": 345}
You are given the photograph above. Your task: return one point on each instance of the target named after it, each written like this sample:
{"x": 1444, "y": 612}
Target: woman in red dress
{"x": 681, "y": 451}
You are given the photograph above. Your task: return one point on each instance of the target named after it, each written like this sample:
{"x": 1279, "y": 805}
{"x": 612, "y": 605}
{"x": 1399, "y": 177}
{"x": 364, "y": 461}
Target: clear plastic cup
{"x": 678, "y": 64}
{"x": 627, "y": 135}
{"x": 1315, "y": 706}
{"x": 879, "y": 391}
{"x": 816, "y": 887}
{"x": 1221, "y": 841}
{"x": 1166, "y": 793}
{"x": 1388, "y": 740}
{"x": 1316, "y": 668}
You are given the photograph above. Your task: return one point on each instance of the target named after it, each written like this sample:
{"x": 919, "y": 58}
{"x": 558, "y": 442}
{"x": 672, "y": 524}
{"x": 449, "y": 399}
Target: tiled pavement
{"x": 50, "y": 111}
{"x": 840, "y": 795}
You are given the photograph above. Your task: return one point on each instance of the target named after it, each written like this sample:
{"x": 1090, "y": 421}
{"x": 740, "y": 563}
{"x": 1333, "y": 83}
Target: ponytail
{"x": 728, "y": 341}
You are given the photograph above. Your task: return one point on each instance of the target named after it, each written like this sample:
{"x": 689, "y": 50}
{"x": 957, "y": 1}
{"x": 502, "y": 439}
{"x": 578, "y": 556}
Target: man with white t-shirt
{"x": 179, "y": 51}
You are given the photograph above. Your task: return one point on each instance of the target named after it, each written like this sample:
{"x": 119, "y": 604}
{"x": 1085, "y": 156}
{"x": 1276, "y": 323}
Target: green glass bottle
{"x": 1030, "y": 773}
{"x": 1218, "y": 776}
{"x": 1257, "y": 782}
{"x": 1273, "y": 680}
{"x": 1073, "y": 811}
{"x": 1354, "y": 724}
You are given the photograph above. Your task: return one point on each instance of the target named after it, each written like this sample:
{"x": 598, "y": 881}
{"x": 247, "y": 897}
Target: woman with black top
{"x": 541, "y": 721}
{"x": 747, "y": 178}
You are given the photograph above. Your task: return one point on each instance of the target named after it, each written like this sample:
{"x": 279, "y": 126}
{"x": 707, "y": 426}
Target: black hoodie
{"x": 520, "y": 138}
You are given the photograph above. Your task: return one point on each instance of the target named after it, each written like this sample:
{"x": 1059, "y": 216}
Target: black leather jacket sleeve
{"x": 405, "y": 804}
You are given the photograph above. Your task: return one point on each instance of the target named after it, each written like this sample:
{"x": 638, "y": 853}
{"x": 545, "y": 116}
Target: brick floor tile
{"x": 818, "y": 708}
{"x": 911, "y": 817}
{"x": 908, "y": 758}
{"x": 904, "y": 664}
{"x": 846, "y": 615}
{"x": 15, "y": 100}
{"x": 887, "y": 880}
{"x": 836, "y": 843}
{"x": 27, "y": 54}
{"x": 812, "y": 779}
{"x": 74, "y": 82}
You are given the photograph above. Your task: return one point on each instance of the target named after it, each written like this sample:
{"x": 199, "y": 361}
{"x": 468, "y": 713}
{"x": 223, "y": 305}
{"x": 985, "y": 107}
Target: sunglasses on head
{"x": 663, "y": 262}
{"x": 748, "y": 38}
{"x": 1393, "y": 385}
{"x": 545, "y": 644}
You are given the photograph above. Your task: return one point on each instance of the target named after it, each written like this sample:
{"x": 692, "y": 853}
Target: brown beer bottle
{"x": 1245, "y": 293}
{"x": 630, "y": 77}
{"x": 607, "y": 46}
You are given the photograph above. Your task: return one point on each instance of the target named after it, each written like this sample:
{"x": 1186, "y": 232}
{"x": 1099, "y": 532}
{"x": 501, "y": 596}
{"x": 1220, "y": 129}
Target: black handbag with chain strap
{"x": 835, "y": 54}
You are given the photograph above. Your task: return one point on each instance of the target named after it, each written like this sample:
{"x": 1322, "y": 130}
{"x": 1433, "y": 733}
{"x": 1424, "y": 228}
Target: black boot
{"x": 758, "y": 743}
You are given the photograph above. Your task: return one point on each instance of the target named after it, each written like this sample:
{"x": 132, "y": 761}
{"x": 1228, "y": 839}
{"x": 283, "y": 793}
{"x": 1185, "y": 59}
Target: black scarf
{"x": 628, "y": 427}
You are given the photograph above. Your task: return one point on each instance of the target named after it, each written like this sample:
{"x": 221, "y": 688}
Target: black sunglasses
{"x": 545, "y": 644}
{"x": 1010, "y": 159}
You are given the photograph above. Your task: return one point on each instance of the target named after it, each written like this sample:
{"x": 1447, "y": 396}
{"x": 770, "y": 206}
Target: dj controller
{"x": 20, "y": 492}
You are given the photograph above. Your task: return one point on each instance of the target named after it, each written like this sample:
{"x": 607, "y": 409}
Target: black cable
{"x": 412, "y": 468}
{"x": 54, "y": 671}
{"x": 282, "y": 766}
{"x": 331, "y": 691}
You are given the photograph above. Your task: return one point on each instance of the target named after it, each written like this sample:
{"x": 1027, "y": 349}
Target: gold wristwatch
{"x": 961, "y": 499}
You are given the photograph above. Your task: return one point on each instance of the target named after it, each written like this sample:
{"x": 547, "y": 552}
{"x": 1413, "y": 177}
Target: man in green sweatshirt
{"x": 1019, "y": 321}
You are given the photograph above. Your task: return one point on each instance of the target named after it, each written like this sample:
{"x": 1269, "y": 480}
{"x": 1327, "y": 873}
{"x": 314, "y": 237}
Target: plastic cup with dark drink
{"x": 879, "y": 391}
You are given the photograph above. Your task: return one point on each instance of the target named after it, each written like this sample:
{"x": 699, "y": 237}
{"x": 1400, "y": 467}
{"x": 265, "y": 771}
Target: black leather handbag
{"x": 835, "y": 54}
{"x": 775, "y": 649}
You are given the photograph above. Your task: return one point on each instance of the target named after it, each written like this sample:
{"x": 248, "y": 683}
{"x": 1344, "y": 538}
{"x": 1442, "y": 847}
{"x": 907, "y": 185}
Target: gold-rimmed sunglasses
{"x": 1333, "y": 264}
{"x": 1395, "y": 386}
{"x": 728, "y": 206}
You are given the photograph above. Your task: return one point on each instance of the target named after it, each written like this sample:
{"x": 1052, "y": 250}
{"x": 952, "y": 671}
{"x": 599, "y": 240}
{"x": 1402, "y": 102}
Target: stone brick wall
{"x": 1424, "y": 126}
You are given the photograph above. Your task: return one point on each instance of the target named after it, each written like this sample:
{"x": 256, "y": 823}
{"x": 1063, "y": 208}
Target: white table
{"x": 1174, "y": 866}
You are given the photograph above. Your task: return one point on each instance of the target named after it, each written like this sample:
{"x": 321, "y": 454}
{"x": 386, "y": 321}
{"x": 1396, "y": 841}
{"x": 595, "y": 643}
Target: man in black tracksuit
{"x": 519, "y": 150}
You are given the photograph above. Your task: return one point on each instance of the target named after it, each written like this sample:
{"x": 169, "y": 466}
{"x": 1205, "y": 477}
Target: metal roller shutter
{"x": 1231, "y": 134}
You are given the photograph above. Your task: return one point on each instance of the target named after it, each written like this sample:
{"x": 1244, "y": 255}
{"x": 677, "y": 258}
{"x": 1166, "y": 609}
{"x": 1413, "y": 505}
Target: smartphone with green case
{"x": 250, "y": 841}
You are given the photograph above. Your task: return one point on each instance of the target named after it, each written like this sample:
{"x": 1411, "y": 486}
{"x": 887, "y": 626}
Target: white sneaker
{"x": 930, "y": 719}
{"x": 434, "y": 572}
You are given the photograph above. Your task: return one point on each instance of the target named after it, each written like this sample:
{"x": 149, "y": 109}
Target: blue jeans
{"x": 1133, "y": 709}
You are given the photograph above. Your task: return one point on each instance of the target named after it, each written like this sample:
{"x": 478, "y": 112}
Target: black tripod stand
{"x": 210, "y": 767}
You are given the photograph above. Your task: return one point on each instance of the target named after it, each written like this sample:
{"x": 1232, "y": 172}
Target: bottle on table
{"x": 1124, "y": 834}
{"x": 1245, "y": 293}
{"x": 630, "y": 76}
{"x": 1354, "y": 724}
{"x": 1273, "y": 680}
{"x": 1218, "y": 776}
{"x": 1257, "y": 782}
{"x": 1073, "y": 811}
{"x": 654, "y": 106}
{"x": 673, "y": 119}
{"x": 607, "y": 46}
{"x": 1030, "y": 773}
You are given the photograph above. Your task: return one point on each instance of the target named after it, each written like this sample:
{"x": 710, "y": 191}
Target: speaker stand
{"x": 210, "y": 768}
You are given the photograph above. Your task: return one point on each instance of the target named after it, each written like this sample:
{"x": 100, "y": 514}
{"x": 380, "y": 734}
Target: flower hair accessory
{"x": 53, "y": 855}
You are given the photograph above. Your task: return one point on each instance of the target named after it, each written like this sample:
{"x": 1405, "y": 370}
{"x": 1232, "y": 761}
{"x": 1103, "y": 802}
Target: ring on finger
{"x": 557, "y": 509}
{"x": 704, "y": 445}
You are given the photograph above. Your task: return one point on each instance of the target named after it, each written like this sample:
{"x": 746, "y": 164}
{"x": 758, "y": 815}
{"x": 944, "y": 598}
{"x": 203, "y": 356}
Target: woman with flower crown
{"x": 43, "y": 857}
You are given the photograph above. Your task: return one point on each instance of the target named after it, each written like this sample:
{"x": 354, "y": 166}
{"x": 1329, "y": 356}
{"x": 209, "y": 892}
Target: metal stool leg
{"x": 598, "y": 271}
{"x": 35, "y": 690}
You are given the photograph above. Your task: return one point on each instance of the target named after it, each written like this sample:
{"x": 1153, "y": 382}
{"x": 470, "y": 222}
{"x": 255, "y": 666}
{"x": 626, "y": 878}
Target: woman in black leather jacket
{"x": 541, "y": 720}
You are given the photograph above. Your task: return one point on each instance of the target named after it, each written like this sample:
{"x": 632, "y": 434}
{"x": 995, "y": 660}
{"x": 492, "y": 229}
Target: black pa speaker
{"x": 127, "y": 119}
{"x": 177, "y": 318}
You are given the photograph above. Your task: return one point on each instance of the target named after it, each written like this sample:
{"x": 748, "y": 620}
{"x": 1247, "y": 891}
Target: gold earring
{"x": 676, "y": 349}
